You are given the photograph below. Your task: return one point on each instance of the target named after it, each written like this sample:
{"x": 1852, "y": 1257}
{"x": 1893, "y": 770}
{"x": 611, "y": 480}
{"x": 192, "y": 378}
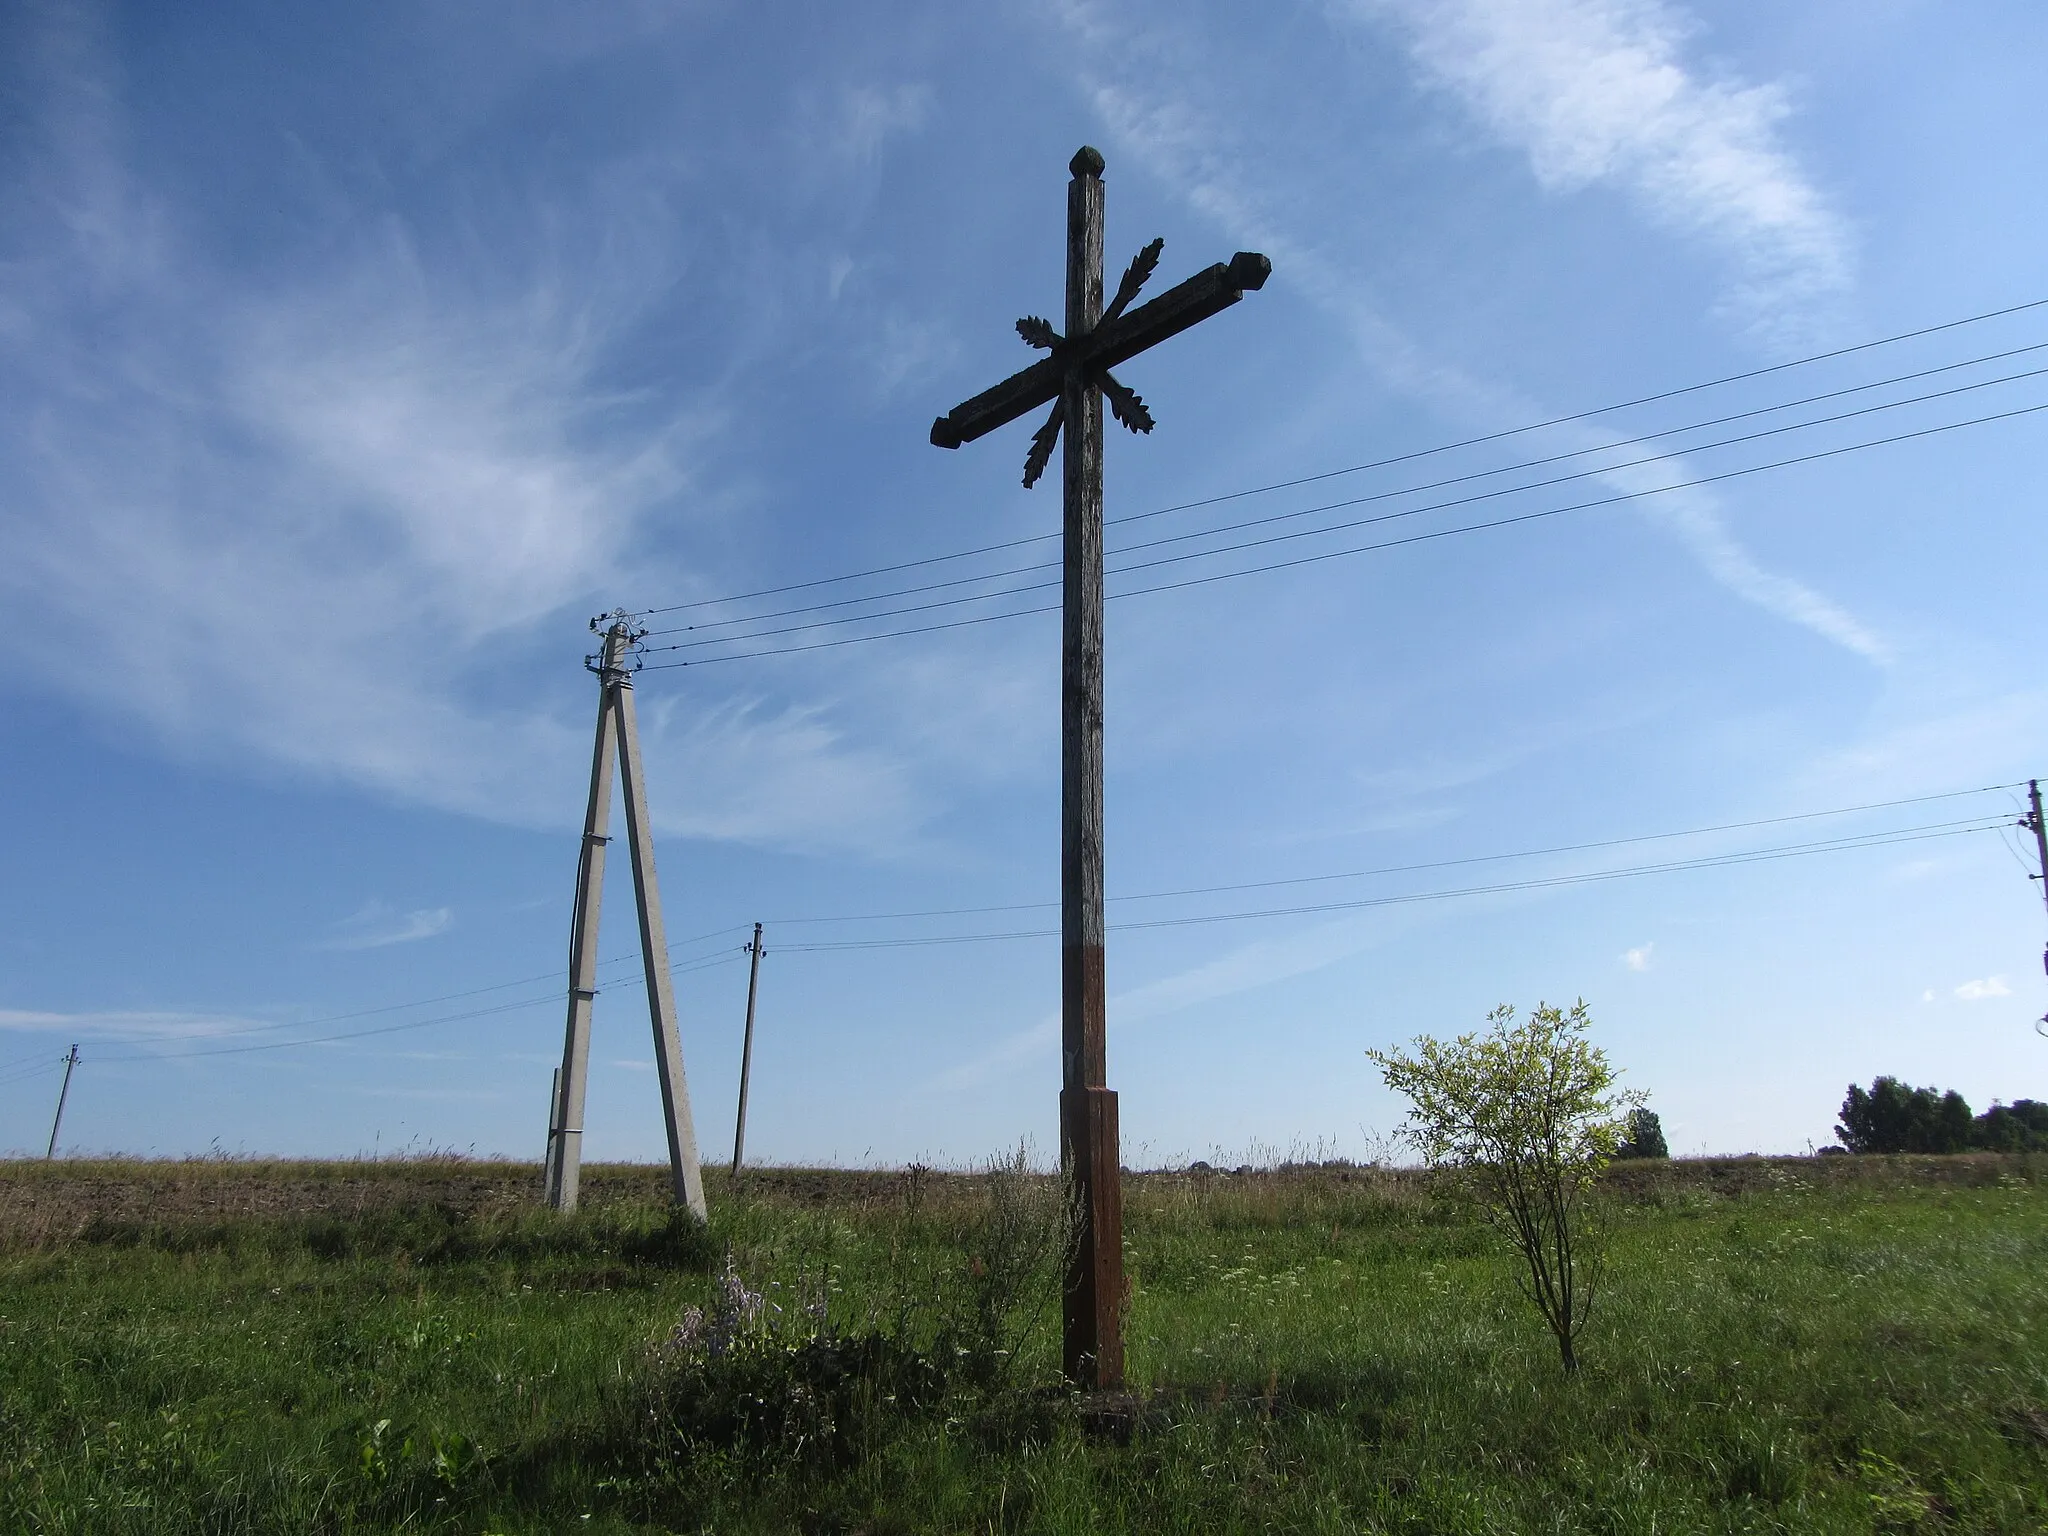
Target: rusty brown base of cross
{"x": 1093, "y": 1334}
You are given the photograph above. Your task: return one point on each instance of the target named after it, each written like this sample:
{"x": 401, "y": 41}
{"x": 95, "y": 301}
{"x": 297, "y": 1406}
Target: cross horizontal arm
{"x": 992, "y": 408}
{"x": 1208, "y": 292}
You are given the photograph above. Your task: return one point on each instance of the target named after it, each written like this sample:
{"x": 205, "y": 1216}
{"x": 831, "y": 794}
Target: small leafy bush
{"x": 1521, "y": 1120}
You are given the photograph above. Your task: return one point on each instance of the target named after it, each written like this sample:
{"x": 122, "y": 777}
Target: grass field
{"x": 1805, "y": 1345}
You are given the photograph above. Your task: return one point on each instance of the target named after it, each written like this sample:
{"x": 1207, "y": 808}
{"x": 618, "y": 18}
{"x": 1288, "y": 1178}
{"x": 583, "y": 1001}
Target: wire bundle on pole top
{"x": 636, "y": 631}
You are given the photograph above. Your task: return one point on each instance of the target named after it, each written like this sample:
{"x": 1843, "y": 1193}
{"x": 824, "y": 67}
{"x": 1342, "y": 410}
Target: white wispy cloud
{"x": 1987, "y": 986}
{"x": 1944, "y": 730}
{"x": 1638, "y": 959}
{"x": 1602, "y": 91}
{"x": 377, "y": 926}
{"x": 870, "y": 115}
{"x": 311, "y": 500}
{"x": 781, "y": 772}
{"x": 1695, "y": 519}
{"x": 1247, "y": 967}
{"x": 137, "y": 1024}
{"x": 1185, "y": 117}
{"x": 332, "y": 505}
{"x": 1244, "y": 968}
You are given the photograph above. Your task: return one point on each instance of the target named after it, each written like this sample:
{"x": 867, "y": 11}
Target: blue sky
{"x": 351, "y": 358}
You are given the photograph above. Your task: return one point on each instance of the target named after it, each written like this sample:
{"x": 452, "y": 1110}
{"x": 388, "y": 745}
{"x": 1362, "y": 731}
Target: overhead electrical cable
{"x": 1401, "y": 458}
{"x": 1430, "y": 485}
{"x": 356, "y": 1034}
{"x": 1712, "y": 861}
{"x": 420, "y": 1002}
{"x": 1406, "y": 869}
{"x": 28, "y": 1068}
{"x": 1308, "y": 533}
{"x": 29, "y": 1074}
{"x": 392, "y": 1029}
{"x": 1338, "y": 554}
{"x": 1558, "y": 421}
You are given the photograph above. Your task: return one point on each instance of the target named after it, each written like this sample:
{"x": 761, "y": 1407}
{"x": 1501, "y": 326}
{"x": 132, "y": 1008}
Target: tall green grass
{"x": 1790, "y": 1347}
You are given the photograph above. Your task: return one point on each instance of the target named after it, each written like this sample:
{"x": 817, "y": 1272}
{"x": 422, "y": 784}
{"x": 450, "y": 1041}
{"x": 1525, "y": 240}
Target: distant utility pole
{"x": 618, "y": 732}
{"x": 739, "y": 1134}
{"x": 62, "y": 1094}
{"x": 2033, "y": 823}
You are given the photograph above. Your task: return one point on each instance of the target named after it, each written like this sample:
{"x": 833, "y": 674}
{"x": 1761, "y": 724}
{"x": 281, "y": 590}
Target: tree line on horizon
{"x": 1891, "y": 1116}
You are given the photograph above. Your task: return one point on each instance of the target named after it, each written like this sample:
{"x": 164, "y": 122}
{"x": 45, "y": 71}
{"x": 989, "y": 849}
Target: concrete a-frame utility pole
{"x": 618, "y": 733}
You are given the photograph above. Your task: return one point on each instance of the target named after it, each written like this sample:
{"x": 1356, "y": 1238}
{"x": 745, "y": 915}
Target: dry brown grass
{"x": 44, "y": 1204}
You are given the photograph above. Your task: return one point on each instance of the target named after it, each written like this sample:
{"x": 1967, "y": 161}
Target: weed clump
{"x": 788, "y": 1378}
{"x": 752, "y": 1379}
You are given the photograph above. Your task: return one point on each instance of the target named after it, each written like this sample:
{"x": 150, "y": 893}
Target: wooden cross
{"x": 1074, "y": 378}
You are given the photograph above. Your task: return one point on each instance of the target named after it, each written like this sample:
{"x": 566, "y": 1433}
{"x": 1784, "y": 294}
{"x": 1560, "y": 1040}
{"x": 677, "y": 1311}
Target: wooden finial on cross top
{"x": 1074, "y": 378}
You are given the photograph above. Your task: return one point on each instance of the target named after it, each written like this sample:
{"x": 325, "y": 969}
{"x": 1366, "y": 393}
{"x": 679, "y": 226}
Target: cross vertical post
{"x": 1074, "y": 379}
{"x": 1092, "y": 1337}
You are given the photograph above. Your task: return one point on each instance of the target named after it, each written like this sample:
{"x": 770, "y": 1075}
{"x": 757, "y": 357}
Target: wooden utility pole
{"x": 618, "y": 732}
{"x": 2039, "y": 828}
{"x": 1074, "y": 378}
{"x": 2032, "y": 822}
{"x": 62, "y": 1094}
{"x": 739, "y": 1132}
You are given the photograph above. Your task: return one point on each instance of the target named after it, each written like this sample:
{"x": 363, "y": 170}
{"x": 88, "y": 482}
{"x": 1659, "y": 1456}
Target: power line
{"x": 1602, "y": 501}
{"x": 1405, "y": 869}
{"x": 1309, "y": 533}
{"x": 1558, "y": 421}
{"x": 1713, "y": 861}
{"x": 392, "y": 1029}
{"x": 420, "y": 1002}
{"x": 1401, "y": 458}
{"x": 29, "y": 1074}
{"x": 1430, "y": 485}
{"x": 358, "y": 1034}
{"x": 1337, "y": 554}
{"x": 1959, "y": 827}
